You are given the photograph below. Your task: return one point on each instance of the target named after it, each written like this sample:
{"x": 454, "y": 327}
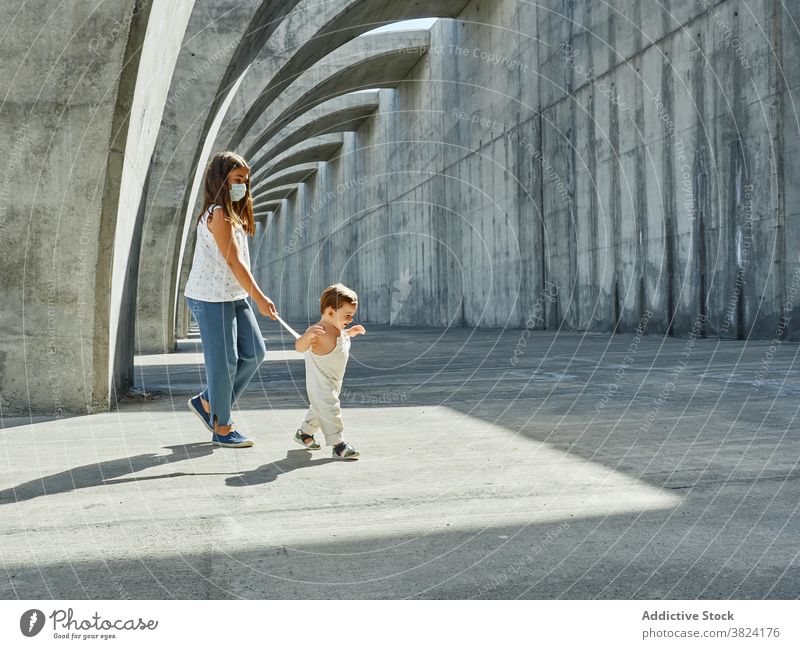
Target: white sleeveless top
{"x": 210, "y": 279}
{"x": 327, "y": 371}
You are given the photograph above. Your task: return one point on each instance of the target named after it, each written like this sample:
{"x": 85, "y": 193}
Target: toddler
{"x": 326, "y": 347}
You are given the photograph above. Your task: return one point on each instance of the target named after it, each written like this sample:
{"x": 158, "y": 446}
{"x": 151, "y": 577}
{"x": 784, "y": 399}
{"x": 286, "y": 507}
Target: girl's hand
{"x": 355, "y": 330}
{"x": 266, "y": 306}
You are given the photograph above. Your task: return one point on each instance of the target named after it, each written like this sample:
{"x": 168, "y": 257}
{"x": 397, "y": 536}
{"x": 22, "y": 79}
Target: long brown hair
{"x": 217, "y": 191}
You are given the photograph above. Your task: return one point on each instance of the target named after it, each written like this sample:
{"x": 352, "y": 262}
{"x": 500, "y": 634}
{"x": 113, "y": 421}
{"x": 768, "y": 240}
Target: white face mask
{"x": 238, "y": 190}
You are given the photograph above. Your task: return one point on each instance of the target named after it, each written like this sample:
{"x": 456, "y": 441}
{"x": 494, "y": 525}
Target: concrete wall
{"x": 79, "y": 126}
{"x": 625, "y": 167}
{"x": 61, "y": 88}
{"x": 789, "y": 118}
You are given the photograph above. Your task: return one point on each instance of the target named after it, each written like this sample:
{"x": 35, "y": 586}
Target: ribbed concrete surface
{"x": 479, "y": 479}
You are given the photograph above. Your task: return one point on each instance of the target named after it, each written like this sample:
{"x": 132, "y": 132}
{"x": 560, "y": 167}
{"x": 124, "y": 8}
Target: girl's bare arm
{"x": 223, "y": 235}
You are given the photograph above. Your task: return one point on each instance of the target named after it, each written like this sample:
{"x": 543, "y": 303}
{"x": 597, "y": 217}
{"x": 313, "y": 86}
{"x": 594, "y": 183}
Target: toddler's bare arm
{"x": 309, "y": 339}
{"x": 355, "y": 330}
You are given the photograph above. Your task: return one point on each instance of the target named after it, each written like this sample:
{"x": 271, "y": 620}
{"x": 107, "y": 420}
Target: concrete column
{"x": 81, "y": 124}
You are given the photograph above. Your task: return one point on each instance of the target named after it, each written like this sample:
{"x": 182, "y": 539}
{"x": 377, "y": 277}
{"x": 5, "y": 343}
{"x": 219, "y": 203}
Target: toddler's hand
{"x": 355, "y": 330}
{"x": 313, "y": 333}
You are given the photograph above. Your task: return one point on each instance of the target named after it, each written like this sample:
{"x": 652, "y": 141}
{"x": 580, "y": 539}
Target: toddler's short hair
{"x": 336, "y": 296}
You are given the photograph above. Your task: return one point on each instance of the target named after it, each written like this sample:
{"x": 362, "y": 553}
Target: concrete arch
{"x": 86, "y": 108}
{"x": 278, "y": 193}
{"x": 307, "y": 34}
{"x": 345, "y": 113}
{"x": 155, "y": 57}
{"x": 377, "y": 61}
{"x": 266, "y": 209}
{"x": 297, "y": 174}
{"x": 222, "y": 39}
{"x": 318, "y": 149}
{"x": 328, "y": 28}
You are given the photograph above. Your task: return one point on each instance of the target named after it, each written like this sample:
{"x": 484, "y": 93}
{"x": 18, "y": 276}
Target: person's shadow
{"x": 296, "y": 459}
{"x": 108, "y": 472}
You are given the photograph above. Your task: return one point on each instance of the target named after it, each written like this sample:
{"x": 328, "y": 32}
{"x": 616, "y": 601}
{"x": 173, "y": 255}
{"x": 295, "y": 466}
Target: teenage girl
{"x": 216, "y": 292}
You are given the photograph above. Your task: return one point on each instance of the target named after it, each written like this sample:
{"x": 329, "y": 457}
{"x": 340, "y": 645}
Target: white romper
{"x": 324, "y": 376}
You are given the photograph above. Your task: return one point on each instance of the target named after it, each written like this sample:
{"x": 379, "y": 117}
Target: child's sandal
{"x": 306, "y": 440}
{"x": 343, "y": 451}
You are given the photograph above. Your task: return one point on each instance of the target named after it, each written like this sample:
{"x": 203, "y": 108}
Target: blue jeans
{"x": 233, "y": 348}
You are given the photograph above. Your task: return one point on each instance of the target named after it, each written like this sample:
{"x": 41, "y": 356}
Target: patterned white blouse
{"x": 210, "y": 279}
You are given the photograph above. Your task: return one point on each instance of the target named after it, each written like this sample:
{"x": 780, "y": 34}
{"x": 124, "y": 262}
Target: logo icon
{"x": 31, "y": 622}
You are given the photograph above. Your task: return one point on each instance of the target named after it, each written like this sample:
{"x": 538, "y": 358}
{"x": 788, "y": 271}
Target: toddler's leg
{"x": 327, "y": 414}
{"x": 310, "y": 424}
{"x": 305, "y": 434}
{"x": 324, "y": 397}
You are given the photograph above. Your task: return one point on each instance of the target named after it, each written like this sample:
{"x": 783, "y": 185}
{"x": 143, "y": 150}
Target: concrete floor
{"x": 567, "y": 475}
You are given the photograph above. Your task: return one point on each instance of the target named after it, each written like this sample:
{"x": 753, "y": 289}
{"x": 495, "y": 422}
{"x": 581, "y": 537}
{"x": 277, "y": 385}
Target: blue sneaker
{"x": 232, "y": 440}
{"x": 197, "y": 408}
